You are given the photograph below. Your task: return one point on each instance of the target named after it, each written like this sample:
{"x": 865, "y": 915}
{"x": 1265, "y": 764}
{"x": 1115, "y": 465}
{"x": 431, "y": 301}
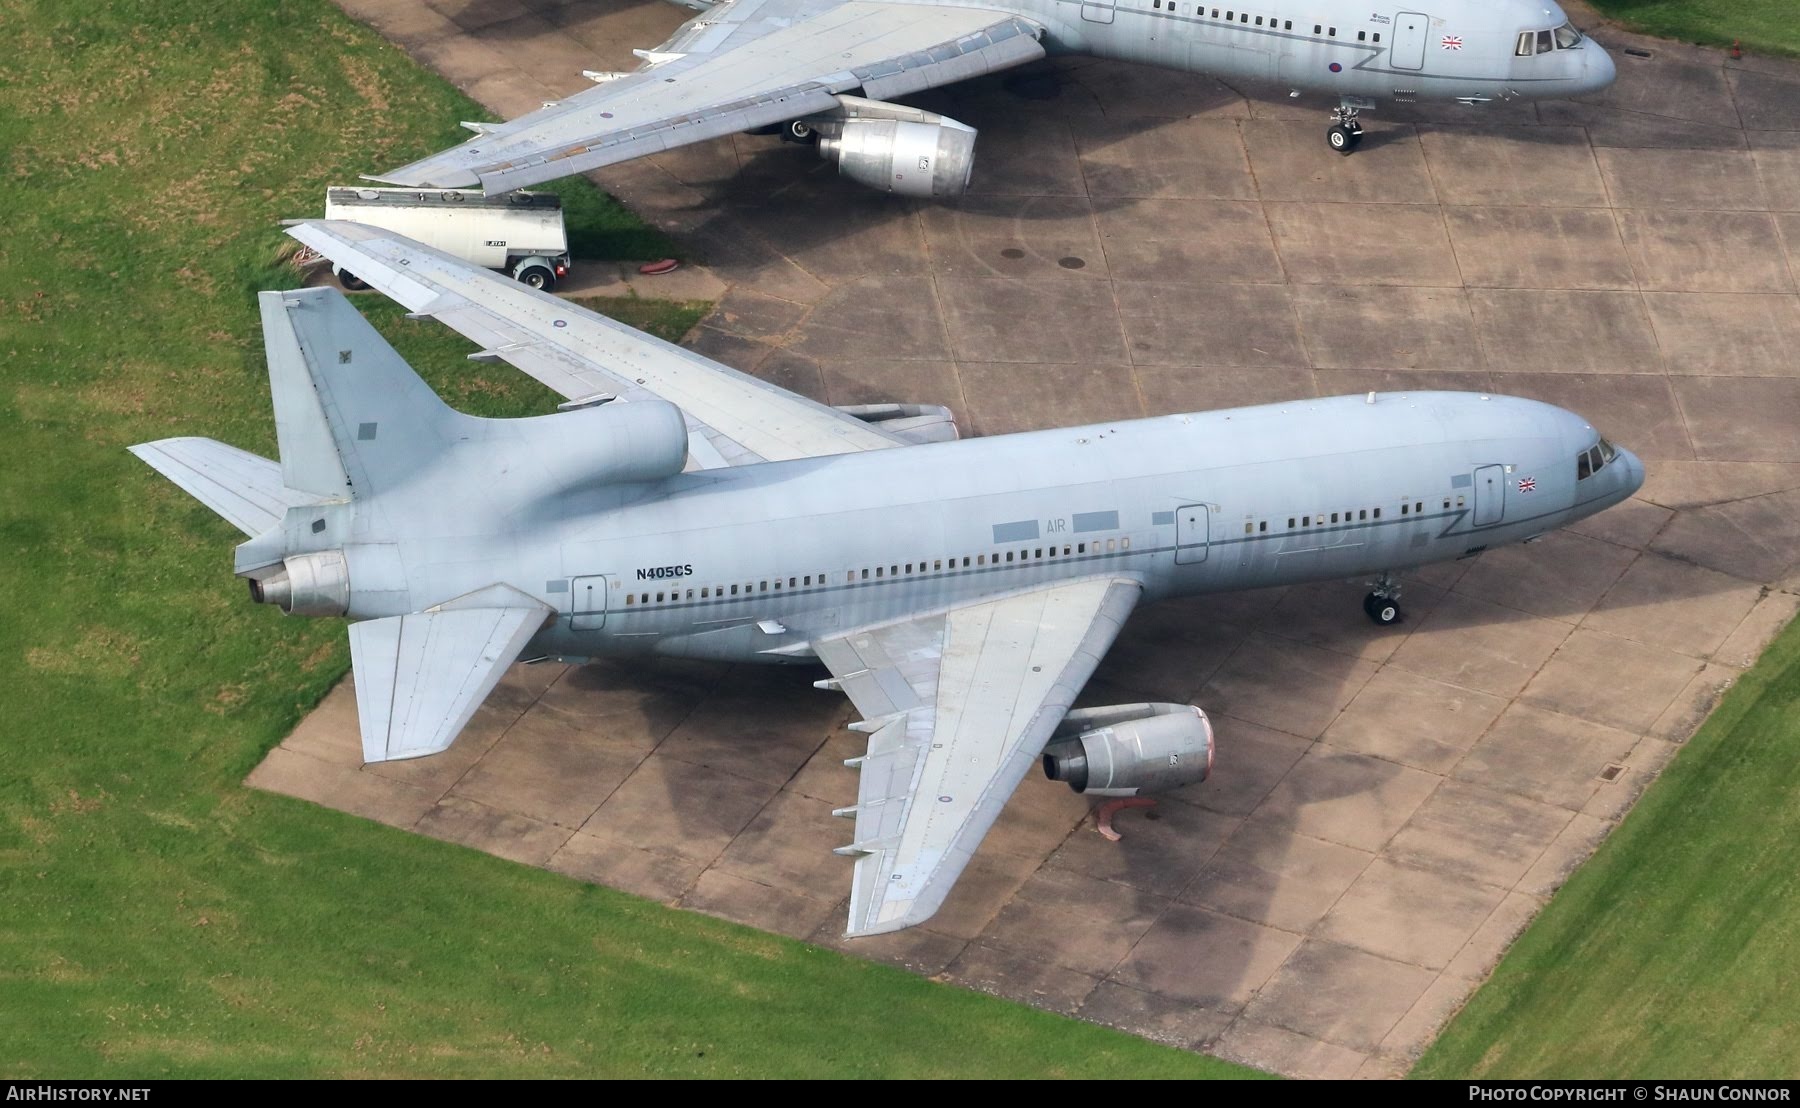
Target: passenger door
{"x": 1411, "y": 29}
{"x": 1191, "y": 534}
{"x": 588, "y": 610}
{"x": 1490, "y": 495}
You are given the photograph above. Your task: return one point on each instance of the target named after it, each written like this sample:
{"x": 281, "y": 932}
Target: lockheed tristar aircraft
{"x": 823, "y": 70}
{"x": 960, "y": 592}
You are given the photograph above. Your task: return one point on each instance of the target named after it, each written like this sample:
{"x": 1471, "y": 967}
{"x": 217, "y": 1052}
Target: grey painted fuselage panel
{"x": 1203, "y": 502}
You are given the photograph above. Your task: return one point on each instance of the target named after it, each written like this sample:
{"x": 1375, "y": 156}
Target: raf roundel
{"x": 560, "y": 323}
{"x": 1336, "y": 67}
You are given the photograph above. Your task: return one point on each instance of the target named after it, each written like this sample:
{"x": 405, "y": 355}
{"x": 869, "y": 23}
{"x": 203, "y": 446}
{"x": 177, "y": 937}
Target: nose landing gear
{"x": 1383, "y": 602}
{"x": 1345, "y": 132}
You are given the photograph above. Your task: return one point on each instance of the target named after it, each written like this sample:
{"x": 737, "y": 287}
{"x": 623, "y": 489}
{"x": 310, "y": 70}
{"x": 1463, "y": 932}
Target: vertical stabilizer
{"x": 351, "y": 417}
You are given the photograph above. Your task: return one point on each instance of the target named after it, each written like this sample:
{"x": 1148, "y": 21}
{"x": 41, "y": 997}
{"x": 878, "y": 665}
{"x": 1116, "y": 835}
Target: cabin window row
{"x": 1326, "y": 519}
{"x": 1350, "y": 515}
{"x": 1232, "y": 15}
{"x": 708, "y": 592}
{"x": 882, "y": 573}
{"x": 998, "y": 557}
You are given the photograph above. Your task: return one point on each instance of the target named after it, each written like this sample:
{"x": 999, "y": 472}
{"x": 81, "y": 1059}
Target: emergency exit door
{"x": 1097, "y": 11}
{"x": 588, "y": 612}
{"x": 1190, "y": 534}
{"x": 1410, "y": 32}
{"x": 1490, "y": 495}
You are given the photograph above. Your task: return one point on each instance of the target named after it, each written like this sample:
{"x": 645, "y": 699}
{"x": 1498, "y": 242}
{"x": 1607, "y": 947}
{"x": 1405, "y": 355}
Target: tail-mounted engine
{"x": 894, "y": 148}
{"x": 316, "y": 584}
{"x": 1126, "y": 749}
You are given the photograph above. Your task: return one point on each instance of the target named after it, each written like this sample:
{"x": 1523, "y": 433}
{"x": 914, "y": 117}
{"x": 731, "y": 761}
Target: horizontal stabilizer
{"x": 420, "y": 677}
{"x": 243, "y": 488}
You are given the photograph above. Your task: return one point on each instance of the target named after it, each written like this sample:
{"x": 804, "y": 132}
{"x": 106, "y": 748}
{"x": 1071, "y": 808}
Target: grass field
{"x": 1763, "y": 26}
{"x": 158, "y": 917}
{"x": 1675, "y": 951}
{"x": 440, "y": 354}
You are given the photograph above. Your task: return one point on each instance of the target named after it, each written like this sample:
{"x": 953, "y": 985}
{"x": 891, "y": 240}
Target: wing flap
{"x": 420, "y": 676}
{"x": 993, "y": 49}
{"x": 988, "y": 683}
{"x": 733, "y": 418}
{"x": 245, "y": 489}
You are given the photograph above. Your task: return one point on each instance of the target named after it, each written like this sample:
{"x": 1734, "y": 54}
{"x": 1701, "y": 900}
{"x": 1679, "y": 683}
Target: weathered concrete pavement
{"x": 1391, "y": 806}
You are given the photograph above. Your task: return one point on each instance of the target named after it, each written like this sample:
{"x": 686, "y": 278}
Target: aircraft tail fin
{"x": 421, "y": 676}
{"x": 243, "y": 488}
{"x": 351, "y": 416}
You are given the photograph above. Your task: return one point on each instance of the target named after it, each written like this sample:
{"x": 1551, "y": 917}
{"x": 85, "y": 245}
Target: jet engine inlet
{"x": 1129, "y": 749}
{"x": 316, "y": 584}
{"x": 922, "y": 159}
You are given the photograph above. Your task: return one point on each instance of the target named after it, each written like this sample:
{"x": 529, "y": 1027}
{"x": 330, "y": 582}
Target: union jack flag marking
{"x": 1451, "y": 42}
{"x": 1527, "y": 484}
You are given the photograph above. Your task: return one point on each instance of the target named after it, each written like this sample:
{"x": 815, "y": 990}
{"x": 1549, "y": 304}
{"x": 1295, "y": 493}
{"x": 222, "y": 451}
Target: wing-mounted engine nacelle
{"x": 1127, "y": 749}
{"x": 916, "y": 423}
{"x": 895, "y": 148}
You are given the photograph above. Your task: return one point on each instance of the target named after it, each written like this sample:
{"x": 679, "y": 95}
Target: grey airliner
{"x": 822, "y": 71}
{"x": 959, "y": 591}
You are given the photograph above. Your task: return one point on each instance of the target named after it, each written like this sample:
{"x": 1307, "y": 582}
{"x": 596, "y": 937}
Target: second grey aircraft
{"x": 823, "y": 71}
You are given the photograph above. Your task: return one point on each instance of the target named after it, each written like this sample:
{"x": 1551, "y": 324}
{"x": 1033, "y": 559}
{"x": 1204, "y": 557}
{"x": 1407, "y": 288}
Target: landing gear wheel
{"x": 1345, "y": 133}
{"x": 1383, "y": 611}
{"x": 351, "y": 281}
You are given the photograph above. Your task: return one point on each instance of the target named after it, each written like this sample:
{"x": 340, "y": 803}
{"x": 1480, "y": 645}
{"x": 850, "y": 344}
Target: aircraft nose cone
{"x": 1597, "y": 71}
{"x": 1632, "y": 473}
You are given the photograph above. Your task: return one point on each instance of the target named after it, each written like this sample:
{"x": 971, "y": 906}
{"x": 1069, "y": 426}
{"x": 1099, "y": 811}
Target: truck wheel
{"x": 351, "y": 281}
{"x": 538, "y": 277}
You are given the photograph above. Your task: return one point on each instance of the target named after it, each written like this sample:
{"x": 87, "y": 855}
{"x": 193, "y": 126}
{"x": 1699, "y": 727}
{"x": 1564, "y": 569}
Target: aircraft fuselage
{"x": 1457, "y": 50}
{"x": 750, "y": 563}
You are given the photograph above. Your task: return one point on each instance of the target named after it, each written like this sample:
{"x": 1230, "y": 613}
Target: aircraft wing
{"x": 739, "y": 65}
{"x": 960, "y": 703}
{"x": 733, "y": 418}
{"x": 420, "y": 676}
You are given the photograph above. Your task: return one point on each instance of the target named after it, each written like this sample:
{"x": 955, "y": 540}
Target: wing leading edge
{"x": 960, "y": 704}
{"x": 738, "y": 66}
{"x": 733, "y": 418}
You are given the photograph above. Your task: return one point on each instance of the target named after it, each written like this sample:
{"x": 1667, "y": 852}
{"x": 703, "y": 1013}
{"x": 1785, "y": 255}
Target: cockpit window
{"x": 1565, "y": 37}
{"x": 1594, "y": 459}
